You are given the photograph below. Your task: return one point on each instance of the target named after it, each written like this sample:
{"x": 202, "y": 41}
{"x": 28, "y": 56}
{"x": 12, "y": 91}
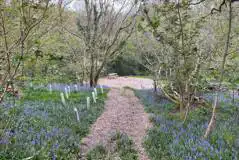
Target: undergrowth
{"x": 40, "y": 127}
{"x": 120, "y": 147}
{"x": 170, "y": 139}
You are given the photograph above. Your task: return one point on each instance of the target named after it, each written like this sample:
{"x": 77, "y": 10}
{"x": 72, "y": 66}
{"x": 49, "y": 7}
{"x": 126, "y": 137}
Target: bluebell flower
{"x": 55, "y": 146}
{"x": 48, "y": 135}
{"x": 4, "y": 141}
{"x": 33, "y": 142}
{"x": 43, "y": 130}
{"x": 7, "y": 105}
{"x": 28, "y": 111}
{"x": 194, "y": 149}
{"x": 53, "y": 156}
{"x": 10, "y": 133}
{"x": 158, "y": 120}
{"x": 164, "y": 129}
{"x": 38, "y": 136}
{"x": 30, "y": 129}
{"x": 55, "y": 131}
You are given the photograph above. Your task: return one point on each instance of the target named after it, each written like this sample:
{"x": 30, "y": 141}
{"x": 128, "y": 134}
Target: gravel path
{"x": 123, "y": 112}
{"x": 137, "y": 83}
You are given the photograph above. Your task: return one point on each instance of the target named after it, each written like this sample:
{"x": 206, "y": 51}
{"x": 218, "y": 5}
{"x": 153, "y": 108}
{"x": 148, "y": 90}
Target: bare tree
{"x": 18, "y": 19}
{"x": 104, "y": 27}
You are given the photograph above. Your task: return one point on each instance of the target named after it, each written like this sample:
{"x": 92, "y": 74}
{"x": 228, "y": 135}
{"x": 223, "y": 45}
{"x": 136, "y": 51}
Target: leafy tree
{"x": 178, "y": 60}
{"x": 194, "y": 50}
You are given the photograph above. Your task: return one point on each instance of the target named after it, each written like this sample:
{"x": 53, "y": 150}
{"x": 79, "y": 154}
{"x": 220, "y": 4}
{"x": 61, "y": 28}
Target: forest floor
{"x": 123, "y": 113}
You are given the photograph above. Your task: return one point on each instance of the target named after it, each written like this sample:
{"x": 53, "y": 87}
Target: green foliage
{"x": 99, "y": 152}
{"x": 124, "y": 66}
{"x": 155, "y": 22}
{"x": 121, "y": 146}
{"x": 127, "y": 64}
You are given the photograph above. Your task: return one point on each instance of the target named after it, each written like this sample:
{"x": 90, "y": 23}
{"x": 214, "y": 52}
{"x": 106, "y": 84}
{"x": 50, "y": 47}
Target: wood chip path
{"x": 123, "y": 113}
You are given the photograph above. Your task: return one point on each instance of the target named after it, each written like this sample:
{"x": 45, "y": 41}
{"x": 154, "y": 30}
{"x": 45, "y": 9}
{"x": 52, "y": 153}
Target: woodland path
{"x": 123, "y": 113}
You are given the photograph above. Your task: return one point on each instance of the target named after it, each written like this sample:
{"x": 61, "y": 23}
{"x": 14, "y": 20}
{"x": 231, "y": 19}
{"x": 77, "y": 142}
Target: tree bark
{"x": 212, "y": 122}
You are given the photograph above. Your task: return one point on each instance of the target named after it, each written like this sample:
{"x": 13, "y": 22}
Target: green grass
{"x": 45, "y": 95}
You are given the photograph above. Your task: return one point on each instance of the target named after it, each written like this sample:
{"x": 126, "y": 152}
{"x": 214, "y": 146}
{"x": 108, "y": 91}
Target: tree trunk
{"x": 92, "y": 67}
{"x": 187, "y": 111}
{"x": 97, "y": 76}
{"x": 233, "y": 96}
{"x": 181, "y": 106}
{"x": 91, "y": 80}
{"x": 212, "y": 122}
{"x": 155, "y": 86}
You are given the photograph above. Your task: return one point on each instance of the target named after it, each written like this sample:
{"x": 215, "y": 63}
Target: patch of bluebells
{"x": 8, "y": 101}
{"x": 73, "y": 87}
{"x": 50, "y": 139}
{"x": 171, "y": 139}
{"x": 6, "y": 137}
{"x": 191, "y": 145}
{"x": 33, "y": 112}
{"x": 4, "y": 141}
{"x": 224, "y": 97}
{"x": 45, "y": 129}
{"x": 42, "y": 136}
{"x": 6, "y": 105}
{"x": 186, "y": 141}
{"x": 153, "y": 101}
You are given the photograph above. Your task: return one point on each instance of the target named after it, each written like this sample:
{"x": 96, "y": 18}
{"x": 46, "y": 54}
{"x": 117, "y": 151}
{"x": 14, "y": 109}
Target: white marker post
{"x": 69, "y": 89}
{"x": 31, "y": 85}
{"x": 76, "y": 87}
{"x": 77, "y": 114}
{"x": 93, "y": 96}
{"x": 102, "y": 90}
{"x": 66, "y": 93}
{"x": 63, "y": 99}
{"x": 88, "y": 102}
{"x": 96, "y": 94}
{"x": 50, "y": 88}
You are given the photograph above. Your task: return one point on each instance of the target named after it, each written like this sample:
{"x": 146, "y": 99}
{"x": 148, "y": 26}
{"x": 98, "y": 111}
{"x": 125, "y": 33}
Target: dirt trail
{"x": 124, "y": 113}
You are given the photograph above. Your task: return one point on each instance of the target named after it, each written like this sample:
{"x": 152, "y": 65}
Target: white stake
{"x": 63, "y": 99}
{"x": 31, "y": 85}
{"x": 88, "y": 102}
{"x": 77, "y": 114}
{"x": 96, "y": 94}
{"x": 66, "y": 93}
{"x": 102, "y": 90}
{"x": 69, "y": 89}
{"x": 93, "y": 96}
{"x": 76, "y": 87}
{"x": 50, "y": 88}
